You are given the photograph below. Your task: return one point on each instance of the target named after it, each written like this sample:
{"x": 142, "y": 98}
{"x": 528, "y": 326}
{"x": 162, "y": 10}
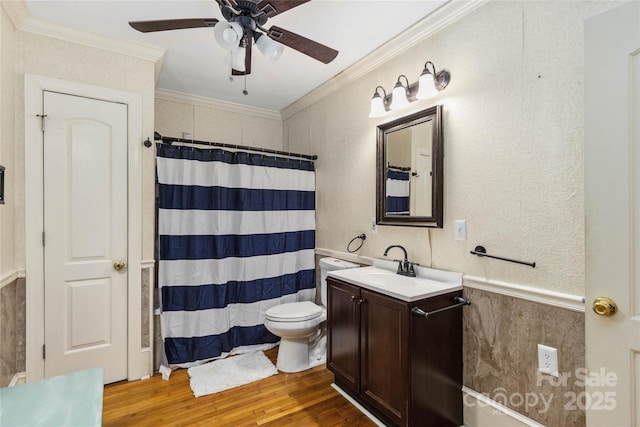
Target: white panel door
{"x": 421, "y": 178}
{"x": 85, "y": 224}
{"x": 612, "y": 207}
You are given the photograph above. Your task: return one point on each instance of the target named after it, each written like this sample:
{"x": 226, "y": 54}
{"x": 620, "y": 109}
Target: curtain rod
{"x": 169, "y": 140}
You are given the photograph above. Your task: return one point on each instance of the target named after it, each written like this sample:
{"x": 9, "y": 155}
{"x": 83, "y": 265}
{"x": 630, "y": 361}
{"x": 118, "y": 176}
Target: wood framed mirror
{"x": 409, "y": 174}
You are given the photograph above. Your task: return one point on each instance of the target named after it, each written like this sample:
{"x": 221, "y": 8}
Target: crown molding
{"x": 16, "y": 10}
{"x": 60, "y": 32}
{"x": 434, "y": 22}
{"x": 201, "y": 101}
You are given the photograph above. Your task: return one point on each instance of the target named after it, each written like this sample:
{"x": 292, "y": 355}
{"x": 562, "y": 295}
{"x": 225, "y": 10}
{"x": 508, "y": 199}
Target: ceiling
{"x": 194, "y": 64}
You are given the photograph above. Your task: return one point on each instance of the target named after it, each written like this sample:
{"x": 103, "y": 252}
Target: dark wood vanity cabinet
{"x": 406, "y": 370}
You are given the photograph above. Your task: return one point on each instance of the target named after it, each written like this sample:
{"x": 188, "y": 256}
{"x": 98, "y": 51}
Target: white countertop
{"x": 382, "y": 278}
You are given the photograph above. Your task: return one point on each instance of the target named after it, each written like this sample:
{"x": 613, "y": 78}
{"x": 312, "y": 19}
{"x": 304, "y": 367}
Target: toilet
{"x": 302, "y": 343}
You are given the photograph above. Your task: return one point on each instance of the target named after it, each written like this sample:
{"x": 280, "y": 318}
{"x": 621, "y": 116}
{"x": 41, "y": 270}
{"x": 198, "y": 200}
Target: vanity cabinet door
{"x": 384, "y": 355}
{"x": 436, "y": 364}
{"x": 343, "y": 339}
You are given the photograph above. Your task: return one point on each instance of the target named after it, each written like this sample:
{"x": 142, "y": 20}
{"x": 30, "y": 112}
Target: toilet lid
{"x": 294, "y": 311}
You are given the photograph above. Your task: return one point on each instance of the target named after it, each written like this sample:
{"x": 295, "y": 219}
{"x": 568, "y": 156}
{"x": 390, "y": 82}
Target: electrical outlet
{"x": 461, "y": 229}
{"x": 374, "y": 226}
{"x": 548, "y": 360}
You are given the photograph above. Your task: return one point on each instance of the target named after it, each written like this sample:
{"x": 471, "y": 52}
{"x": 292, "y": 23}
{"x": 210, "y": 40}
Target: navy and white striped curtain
{"x": 397, "y": 192}
{"x": 236, "y": 237}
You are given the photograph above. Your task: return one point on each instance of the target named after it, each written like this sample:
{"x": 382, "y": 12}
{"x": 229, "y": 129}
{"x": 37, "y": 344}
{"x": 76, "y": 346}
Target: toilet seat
{"x": 294, "y": 312}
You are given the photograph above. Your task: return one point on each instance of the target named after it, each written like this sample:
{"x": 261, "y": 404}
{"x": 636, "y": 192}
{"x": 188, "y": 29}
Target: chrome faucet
{"x": 405, "y": 268}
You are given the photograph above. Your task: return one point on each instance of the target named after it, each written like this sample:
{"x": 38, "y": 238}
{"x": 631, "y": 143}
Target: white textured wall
{"x": 7, "y": 136}
{"x": 513, "y": 131}
{"x": 49, "y": 57}
{"x": 208, "y": 123}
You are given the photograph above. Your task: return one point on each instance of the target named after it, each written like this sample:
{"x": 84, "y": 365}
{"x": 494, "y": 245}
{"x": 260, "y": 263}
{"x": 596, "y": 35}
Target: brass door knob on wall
{"x": 119, "y": 265}
{"x": 604, "y": 306}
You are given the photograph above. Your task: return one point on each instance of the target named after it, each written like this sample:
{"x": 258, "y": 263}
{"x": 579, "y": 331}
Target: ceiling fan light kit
{"x": 271, "y": 49}
{"x": 428, "y": 85}
{"x": 244, "y": 26}
{"x": 236, "y": 59}
{"x": 228, "y": 34}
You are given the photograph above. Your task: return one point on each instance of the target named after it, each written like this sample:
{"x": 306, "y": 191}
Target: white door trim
{"x": 34, "y": 86}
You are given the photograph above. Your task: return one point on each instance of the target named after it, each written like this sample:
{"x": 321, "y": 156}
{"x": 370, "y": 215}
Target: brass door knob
{"x": 119, "y": 265}
{"x": 604, "y": 306}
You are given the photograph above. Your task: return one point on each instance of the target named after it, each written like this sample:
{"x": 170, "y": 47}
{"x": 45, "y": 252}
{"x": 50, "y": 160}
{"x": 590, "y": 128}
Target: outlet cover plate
{"x": 548, "y": 360}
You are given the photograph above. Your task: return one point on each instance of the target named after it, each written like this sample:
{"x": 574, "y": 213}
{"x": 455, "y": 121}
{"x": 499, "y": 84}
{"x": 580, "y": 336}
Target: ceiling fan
{"x": 245, "y": 24}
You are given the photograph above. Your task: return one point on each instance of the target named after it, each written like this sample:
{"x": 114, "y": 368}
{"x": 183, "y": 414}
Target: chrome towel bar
{"x": 458, "y": 300}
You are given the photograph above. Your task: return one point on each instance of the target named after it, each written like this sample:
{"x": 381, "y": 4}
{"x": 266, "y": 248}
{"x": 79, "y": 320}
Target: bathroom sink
{"x": 430, "y": 282}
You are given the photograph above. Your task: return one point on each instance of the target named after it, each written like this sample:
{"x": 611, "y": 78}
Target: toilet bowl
{"x": 302, "y": 343}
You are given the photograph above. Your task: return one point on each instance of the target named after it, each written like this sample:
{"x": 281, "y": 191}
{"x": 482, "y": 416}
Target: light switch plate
{"x": 461, "y": 229}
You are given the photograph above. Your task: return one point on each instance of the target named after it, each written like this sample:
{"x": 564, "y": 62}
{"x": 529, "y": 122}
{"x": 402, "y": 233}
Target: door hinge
{"x": 44, "y": 352}
{"x": 42, "y": 117}
{"x": 43, "y": 239}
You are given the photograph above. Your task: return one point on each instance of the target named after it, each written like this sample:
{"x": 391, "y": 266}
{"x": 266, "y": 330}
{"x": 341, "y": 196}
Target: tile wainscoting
{"x": 501, "y": 334}
{"x": 12, "y": 327}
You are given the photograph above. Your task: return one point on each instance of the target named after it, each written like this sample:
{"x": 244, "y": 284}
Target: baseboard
{"x": 480, "y": 411}
{"x": 357, "y": 405}
{"x": 18, "y": 379}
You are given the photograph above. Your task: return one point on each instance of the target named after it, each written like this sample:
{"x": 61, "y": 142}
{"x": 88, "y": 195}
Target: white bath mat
{"x": 231, "y": 372}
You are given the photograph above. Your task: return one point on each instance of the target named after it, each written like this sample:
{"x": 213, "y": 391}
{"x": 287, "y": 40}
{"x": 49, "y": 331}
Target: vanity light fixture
{"x": 399, "y": 95}
{"x": 427, "y": 86}
{"x": 430, "y": 82}
{"x": 379, "y": 104}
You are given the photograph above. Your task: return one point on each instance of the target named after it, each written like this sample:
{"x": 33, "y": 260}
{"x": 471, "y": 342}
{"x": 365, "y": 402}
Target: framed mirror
{"x": 409, "y": 170}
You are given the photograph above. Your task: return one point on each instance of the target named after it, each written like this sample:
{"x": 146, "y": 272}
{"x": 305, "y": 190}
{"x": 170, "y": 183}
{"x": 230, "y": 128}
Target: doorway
{"x": 116, "y": 278}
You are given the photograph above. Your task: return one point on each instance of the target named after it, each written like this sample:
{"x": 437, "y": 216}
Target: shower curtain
{"x": 397, "y": 192}
{"x": 236, "y": 237}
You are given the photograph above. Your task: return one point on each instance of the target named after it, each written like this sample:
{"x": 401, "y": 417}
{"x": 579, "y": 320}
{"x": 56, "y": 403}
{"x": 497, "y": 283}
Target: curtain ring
{"x": 362, "y": 238}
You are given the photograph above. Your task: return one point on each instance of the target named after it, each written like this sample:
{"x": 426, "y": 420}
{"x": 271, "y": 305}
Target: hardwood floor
{"x": 302, "y": 399}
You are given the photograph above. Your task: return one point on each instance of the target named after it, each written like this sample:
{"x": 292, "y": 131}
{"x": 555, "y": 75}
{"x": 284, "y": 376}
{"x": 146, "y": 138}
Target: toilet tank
{"x": 330, "y": 264}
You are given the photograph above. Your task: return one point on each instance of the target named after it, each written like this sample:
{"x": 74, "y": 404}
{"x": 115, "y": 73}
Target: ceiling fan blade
{"x": 247, "y": 61}
{"x": 172, "y": 24}
{"x": 275, "y": 7}
{"x": 304, "y": 45}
